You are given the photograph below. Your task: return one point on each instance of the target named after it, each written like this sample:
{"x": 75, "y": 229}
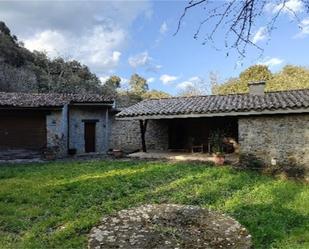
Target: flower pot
{"x": 117, "y": 153}
{"x": 50, "y": 153}
{"x": 219, "y": 160}
{"x": 50, "y": 156}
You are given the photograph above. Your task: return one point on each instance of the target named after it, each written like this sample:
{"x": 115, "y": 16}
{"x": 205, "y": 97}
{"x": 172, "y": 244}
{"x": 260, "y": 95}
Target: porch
{"x": 195, "y": 139}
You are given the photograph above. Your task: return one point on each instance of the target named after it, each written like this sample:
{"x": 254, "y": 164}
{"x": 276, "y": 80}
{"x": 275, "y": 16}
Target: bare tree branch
{"x": 237, "y": 19}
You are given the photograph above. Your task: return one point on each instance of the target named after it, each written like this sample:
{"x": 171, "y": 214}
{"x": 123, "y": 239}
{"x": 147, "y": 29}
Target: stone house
{"x": 63, "y": 123}
{"x": 272, "y": 127}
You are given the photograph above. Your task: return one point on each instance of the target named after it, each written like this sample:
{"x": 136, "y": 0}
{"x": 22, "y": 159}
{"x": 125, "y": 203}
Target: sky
{"x": 126, "y": 37}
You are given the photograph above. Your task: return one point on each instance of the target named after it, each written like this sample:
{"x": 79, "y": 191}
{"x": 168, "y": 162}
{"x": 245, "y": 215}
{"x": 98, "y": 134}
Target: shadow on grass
{"x": 209, "y": 187}
{"x": 270, "y": 223}
{"x": 77, "y": 203}
{"x": 71, "y": 198}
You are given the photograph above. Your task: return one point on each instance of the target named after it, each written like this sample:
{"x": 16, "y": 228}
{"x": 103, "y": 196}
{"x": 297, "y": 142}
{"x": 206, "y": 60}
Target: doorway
{"x": 90, "y": 136}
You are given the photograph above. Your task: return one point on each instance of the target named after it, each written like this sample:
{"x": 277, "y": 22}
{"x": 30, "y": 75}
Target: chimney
{"x": 257, "y": 88}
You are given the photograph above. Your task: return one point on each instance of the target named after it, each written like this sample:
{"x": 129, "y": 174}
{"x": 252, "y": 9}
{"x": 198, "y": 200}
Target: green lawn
{"x": 54, "y": 205}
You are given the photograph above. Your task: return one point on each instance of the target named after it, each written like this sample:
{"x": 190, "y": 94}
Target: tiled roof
{"x": 48, "y": 99}
{"x": 211, "y": 104}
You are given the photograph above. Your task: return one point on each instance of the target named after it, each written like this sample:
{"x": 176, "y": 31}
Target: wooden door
{"x": 22, "y": 131}
{"x": 90, "y": 137}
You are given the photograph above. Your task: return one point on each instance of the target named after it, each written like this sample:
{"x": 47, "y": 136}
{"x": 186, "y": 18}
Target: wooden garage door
{"x": 22, "y": 131}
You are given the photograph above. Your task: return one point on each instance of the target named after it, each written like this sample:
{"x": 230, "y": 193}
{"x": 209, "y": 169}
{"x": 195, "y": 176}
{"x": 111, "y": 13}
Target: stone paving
{"x": 169, "y": 226}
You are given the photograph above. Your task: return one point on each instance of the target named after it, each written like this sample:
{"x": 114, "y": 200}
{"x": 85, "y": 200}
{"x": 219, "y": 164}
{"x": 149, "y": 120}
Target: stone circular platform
{"x": 168, "y": 226}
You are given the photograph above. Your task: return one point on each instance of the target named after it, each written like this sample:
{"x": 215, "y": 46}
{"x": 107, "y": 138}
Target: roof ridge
{"x": 229, "y": 94}
{"x": 51, "y": 93}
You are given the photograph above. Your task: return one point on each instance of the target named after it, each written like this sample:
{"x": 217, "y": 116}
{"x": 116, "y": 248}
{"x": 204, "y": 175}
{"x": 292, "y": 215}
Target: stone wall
{"x": 280, "y": 139}
{"x": 77, "y": 115}
{"x": 56, "y": 126}
{"x": 125, "y": 135}
{"x": 157, "y": 135}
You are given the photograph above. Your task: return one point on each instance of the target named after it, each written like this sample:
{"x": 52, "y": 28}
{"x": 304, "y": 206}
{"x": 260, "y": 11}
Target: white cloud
{"x": 97, "y": 37}
{"x": 163, "y": 28}
{"x": 304, "y": 28}
{"x": 185, "y": 84}
{"x": 151, "y": 79}
{"x": 167, "y": 79}
{"x": 23, "y": 16}
{"x": 271, "y": 62}
{"x": 50, "y": 41}
{"x": 289, "y": 7}
{"x": 154, "y": 68}
{"x": 103, "y": 79}
{"x": 260, "y": 35}
{"x": 141, "y": 59}
{"x": 195, "y": 85}
{"x": 98, "y": 48}
{"x": 144, "y": 60}
{"x": 191, "y": 82}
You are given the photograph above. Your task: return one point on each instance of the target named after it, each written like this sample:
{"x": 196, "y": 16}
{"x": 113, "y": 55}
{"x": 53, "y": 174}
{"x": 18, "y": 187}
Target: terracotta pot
{"x": 117, "y": 153}
{"x": 219, "y": 160}
{"x": 50, "y": 156}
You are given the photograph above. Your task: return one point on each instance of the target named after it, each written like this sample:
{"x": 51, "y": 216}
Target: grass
{"x": 54, "y": 205}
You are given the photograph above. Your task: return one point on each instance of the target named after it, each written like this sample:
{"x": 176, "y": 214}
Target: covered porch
{"x": 197, "y": 139}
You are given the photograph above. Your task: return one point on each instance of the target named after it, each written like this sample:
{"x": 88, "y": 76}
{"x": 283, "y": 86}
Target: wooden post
{"x": 143, "y": 127}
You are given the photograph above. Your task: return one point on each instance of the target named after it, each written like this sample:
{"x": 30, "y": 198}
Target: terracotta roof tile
{"x": 293, "y": 99}
{"x": 48, "y": 99}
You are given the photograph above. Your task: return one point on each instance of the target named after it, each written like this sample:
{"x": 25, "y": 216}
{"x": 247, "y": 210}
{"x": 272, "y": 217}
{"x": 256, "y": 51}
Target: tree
{"x": 113, "y": 82}
{"x": 240, "y": 84}
{"x": 256, "y": 73}
{"x": 10, "y": 50}
{"x": 236, "y": 18}
{"x": 289, "y": 78}
{"x": 22, "y": 70}
{"x": 111, "y": 85}
{"x": 138, "y": 85}
{"x": 155, "y": 94}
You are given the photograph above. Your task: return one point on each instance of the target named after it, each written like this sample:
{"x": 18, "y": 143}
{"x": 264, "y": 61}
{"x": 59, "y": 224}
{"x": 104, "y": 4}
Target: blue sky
{"x": 125, "y": 37}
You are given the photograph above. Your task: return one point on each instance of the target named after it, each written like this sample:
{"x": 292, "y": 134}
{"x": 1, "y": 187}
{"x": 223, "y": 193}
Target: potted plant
{"x": 216, "y": 140}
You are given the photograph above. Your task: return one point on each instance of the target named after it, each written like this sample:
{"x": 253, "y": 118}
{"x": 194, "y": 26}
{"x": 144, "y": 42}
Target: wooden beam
{"x": 143, "y": 127}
